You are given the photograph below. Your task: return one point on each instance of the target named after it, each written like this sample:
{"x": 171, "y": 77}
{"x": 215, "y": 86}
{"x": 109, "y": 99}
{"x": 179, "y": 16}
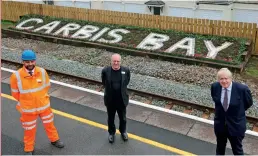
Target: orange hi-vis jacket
{"x": 31, "y": 91}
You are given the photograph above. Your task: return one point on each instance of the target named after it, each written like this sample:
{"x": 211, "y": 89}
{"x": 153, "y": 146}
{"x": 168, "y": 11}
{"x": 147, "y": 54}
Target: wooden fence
{"x": 13, "y": 10}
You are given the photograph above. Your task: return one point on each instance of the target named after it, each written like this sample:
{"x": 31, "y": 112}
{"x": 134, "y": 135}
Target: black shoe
{"x": 111, "y": 138}
{"x": 124, "y": 136}
{"x": 29, "y": 153}
{"x": 58, "y": 144}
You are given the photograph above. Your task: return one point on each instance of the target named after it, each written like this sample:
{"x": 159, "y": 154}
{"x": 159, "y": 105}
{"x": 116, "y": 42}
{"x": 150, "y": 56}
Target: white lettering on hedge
{"x": 67, "y": 28}
{"x": 181, "y": 44}
{"x": 117, "y": 37}
{"x": 49, "y": 27}
{"x": 20, "y": 25}
{"x": 85, "y": 32}
{"x": 94, "y": 38}
{"x": 213, "y": 51}
{"x": 153, "y": 41}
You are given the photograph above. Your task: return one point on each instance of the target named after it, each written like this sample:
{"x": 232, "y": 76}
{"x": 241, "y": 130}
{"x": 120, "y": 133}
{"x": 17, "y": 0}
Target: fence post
{"x": 212, "y": 27}
{"x": 41, "y": 9}
{"x": 256, "y": 43}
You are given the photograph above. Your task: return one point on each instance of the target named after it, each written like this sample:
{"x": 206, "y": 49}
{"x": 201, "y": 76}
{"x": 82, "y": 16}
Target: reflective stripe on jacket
{"x": 31, "y": 91}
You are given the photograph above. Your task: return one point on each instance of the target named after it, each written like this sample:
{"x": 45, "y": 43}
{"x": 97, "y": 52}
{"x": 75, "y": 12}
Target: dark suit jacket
{"x": 234, "y": 117}
{"x": 106, "y": 81}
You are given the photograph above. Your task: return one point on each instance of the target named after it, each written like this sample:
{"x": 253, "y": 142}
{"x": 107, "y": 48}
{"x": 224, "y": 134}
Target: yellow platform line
{"x": 95, "y": 124}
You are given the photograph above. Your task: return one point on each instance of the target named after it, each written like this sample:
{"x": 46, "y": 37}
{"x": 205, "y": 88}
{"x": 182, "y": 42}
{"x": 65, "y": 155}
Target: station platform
{"x": 81, "y": 120}
{"x": 79, "y": 138}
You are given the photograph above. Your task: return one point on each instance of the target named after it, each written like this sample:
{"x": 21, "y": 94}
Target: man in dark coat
{"x": 115, "y": 79}
{"x": 231, "y": 99}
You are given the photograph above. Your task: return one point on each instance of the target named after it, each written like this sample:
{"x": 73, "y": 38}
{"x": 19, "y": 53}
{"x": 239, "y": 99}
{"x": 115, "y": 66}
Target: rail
{"x": 188, "y": 105}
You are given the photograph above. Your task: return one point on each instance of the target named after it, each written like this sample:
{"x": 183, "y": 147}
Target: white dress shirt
{"x": 229, "y": 89}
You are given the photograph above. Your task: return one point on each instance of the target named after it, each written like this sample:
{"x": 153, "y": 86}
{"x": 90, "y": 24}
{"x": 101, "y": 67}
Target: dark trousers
{"x": 235, "y": 141}
{"x": 121, "y": 111}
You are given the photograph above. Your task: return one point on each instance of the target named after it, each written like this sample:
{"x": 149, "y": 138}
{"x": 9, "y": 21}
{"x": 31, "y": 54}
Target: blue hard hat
{"x": 28, "y": 55}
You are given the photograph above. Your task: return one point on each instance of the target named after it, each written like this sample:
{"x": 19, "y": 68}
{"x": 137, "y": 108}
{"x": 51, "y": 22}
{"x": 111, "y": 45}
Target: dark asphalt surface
{"x": 81, "y": 138}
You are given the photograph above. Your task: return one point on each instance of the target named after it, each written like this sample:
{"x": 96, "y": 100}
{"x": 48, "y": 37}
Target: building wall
{"x": 135, "y": 8}
{"x": 245, "y": 13}
{"x": 234, "y": 12}
{"x": 30, "y": 1}
{"x": 68, "y": 3}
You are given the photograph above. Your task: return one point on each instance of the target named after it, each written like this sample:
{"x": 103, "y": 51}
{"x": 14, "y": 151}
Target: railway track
{"x": 145, "y": 97}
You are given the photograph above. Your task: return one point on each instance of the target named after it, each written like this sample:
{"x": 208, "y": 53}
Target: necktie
{"x": 225, "y": 102}
{"x": 30, "y": 72}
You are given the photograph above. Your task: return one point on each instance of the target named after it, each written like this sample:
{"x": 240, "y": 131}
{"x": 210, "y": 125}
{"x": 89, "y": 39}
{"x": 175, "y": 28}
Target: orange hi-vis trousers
{"x": 29, "y": 123}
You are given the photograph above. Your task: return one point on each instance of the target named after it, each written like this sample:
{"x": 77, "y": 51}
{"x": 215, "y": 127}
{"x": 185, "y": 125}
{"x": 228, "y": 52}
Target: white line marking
{"x": 211, "y": 122}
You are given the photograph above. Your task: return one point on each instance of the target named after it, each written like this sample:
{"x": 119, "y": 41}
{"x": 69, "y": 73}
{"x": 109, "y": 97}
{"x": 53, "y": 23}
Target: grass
{"x": 252, "y": 68}
{"x": 6, "y": 24}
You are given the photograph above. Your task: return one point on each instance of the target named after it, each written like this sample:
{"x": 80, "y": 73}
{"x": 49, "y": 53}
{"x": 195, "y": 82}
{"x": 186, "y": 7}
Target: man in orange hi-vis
{"x": 29, "y": 86}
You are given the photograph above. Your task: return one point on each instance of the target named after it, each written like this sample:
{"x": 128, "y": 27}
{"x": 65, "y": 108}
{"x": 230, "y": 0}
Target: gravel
{"x": 249, "y": 126}
{"x": 160, "y": 103}
{"x": 186, "y": 82}
{"x": 176, "y": 90}
{"x": 156, "y": 102}
{"x": 212, "y": 115}
{"x": 191, "y": 74}
{"x": 179, "y": 108}
{"x": 196, "y": 112}
{"x": 139, "y": 98}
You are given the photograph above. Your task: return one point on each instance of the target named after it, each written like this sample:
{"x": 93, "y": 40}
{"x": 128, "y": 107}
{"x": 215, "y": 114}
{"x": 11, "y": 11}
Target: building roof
{"x": 154, "y": 2}
{"x": 215, "y": 2}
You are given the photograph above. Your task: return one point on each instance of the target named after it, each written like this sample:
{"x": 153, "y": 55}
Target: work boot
{"x": 111, "y": 138}
{"x": 124, "y": 136}
{"x": 58, "y": 144}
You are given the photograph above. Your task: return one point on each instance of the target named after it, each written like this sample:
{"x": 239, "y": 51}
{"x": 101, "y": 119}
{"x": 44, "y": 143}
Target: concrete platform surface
{"x": 178, "y": 132}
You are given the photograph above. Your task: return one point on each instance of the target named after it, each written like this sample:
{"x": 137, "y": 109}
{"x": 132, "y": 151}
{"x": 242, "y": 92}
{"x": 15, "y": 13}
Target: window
{"x": 156, "y": 5}
{"x": 156, "y": 10}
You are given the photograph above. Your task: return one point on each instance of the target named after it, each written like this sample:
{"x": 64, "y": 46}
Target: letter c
{"x": 19, "y": 26}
